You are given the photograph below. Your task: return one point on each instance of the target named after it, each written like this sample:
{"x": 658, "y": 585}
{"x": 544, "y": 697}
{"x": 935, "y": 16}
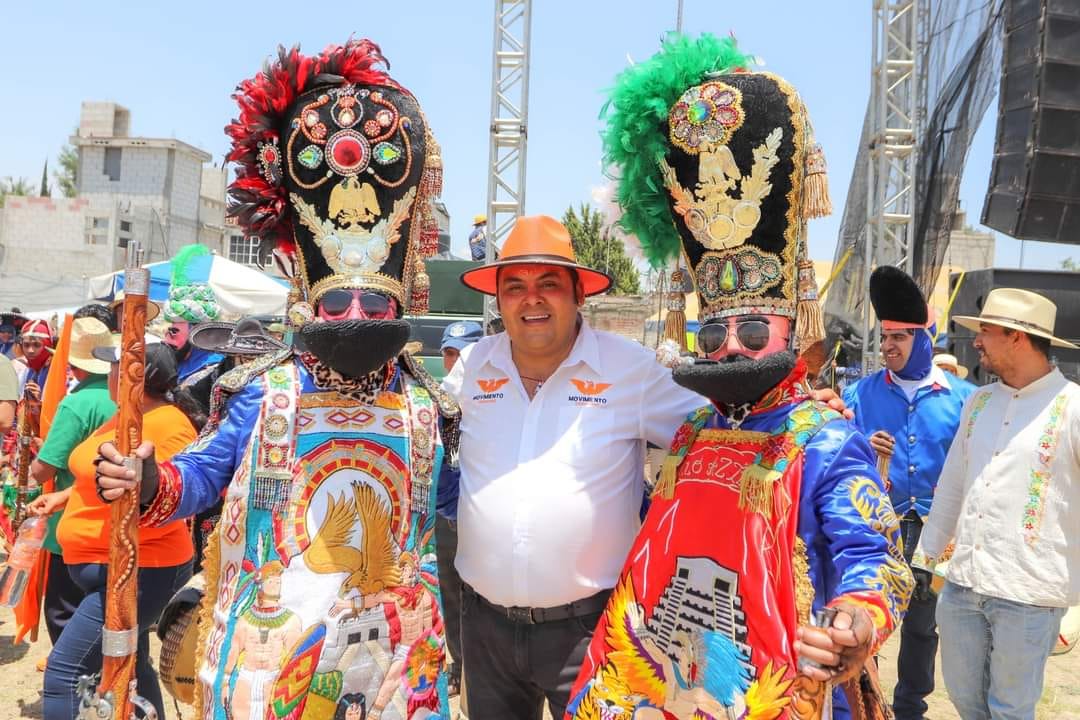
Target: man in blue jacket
{"x": 910, "y": 410}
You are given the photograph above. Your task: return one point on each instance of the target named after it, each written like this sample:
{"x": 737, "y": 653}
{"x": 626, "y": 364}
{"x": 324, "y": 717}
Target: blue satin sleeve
{"x": 851, "y": 532}
{"x": 207, "y": 466}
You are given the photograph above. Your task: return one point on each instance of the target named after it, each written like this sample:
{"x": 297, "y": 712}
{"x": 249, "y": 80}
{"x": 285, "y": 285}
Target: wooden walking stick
{"x": 116, "y": 697}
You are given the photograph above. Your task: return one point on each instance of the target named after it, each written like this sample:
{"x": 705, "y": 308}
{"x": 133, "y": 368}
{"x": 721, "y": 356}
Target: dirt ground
{"x": 20, "y": 694}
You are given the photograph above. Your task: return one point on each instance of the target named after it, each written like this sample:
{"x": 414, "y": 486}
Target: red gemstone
{"x": 348, "y": 152}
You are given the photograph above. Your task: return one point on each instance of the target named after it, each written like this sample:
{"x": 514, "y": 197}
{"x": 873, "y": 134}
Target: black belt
{"x": 534, "y": 616}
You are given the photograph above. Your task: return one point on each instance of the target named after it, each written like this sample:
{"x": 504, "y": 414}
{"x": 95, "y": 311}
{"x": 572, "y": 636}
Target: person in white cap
{"x": 949, "y": 363}
{"x": 1007, "y": 507}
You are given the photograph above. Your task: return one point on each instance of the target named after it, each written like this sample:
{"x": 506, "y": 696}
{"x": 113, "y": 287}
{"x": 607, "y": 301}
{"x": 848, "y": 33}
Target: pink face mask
{"x": 177, "y": 334}
{"x": 753, "y": 336}
{"x": 349, "y": 304}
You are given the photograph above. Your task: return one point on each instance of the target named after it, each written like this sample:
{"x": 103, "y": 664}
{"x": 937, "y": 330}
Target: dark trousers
{"x": 918, "y": 638}
{"x": 449, "y": 588}
{"x": 62, "y": 597}
{"x": 514, "y": 667}
{"x": 78, "y": 651}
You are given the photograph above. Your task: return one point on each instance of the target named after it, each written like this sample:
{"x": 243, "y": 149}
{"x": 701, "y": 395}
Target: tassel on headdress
{"x": 809, "y": 321}
{"x": 816, "y": 201}
{"x": 675, "y": 321}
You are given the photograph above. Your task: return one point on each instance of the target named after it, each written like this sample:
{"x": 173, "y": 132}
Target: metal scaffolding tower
{"x": 897, "y": 108}
{"x": 509, "y": 123}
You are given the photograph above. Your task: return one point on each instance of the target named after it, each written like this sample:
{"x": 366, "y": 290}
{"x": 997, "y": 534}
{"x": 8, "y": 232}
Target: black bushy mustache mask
{"x": 737, "y": 379}
{"x": 354, "y": 348}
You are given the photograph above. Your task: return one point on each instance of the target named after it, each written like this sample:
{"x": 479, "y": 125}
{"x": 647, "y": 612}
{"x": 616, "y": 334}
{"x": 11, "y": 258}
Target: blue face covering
{"x": 922, "y": 354}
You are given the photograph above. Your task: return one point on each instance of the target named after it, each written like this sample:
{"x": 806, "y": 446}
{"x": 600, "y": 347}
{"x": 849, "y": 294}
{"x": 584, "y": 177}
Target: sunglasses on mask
{"x": 753, "y": 335}
{"x": 336, "y": 303}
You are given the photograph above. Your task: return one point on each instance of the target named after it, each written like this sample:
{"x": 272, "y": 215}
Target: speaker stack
{"x": 1062, "y": 288}
{"x": 1034, "y": 188}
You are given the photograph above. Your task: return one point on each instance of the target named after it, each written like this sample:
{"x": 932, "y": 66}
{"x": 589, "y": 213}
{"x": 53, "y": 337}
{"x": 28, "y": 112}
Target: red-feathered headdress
{"x": 259, "y": 204}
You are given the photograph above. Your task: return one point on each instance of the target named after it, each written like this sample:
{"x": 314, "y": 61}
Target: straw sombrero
{"x": 536, "y": 240}
{"x": 1020, "y": 310}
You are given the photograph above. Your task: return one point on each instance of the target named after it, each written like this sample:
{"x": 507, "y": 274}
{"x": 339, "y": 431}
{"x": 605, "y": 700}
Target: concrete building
{"x": 160, "y": 192}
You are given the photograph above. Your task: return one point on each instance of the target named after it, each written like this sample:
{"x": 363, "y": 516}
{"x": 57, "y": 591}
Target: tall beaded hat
{"x": 338, "y": 168}
{"x": 719, "y": 164}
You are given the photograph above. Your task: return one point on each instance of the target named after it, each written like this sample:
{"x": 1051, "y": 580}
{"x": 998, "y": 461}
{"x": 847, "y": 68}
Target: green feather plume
{"x": 182, "y": 261}
{"x": 635, "y": 139}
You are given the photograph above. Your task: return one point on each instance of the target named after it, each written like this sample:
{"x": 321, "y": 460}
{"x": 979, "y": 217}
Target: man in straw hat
{"x": 1007, "y": 507}
{"x": 910, "y": 410}
{"x": 769, "y": 563}
{"x": 328, "y": 456}
{"x": 80, "y": 413}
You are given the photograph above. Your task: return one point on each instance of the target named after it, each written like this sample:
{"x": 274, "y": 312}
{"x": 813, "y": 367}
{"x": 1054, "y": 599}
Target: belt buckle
{"x": 521, "y": 615}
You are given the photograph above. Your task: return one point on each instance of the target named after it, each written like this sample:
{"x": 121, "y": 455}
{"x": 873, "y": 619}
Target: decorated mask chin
{"x": 737, "y": 379}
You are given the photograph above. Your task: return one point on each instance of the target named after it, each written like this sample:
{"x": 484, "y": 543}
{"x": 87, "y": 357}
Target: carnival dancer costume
{"x": 321, "y": 583}
{"x": 919, "y": 406}
{"x": 769, "y": 506}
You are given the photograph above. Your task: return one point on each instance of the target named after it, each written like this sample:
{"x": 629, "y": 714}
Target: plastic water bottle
{"x": 15, "y": 573}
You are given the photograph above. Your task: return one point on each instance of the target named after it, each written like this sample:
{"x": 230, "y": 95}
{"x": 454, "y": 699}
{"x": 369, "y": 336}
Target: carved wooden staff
{"x": 29, "y": 417}
{"x": 120, "y": 637}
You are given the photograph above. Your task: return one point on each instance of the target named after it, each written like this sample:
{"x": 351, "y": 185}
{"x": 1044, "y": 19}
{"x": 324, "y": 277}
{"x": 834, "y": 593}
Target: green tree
{"x": 13, "y": 186}
{"x": 1070, "y": 265}
{"x": 596, "y": 248}
{"x": 45, "y": 190}
{"x": 66, "y": 176}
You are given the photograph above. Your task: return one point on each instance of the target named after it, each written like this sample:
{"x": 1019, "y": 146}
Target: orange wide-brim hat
{"x": 536, "y": 240}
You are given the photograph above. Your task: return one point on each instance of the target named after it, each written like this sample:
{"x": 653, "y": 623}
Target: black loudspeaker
{"x": 1061, "y": 288}
{"x": 1034, "y": 188}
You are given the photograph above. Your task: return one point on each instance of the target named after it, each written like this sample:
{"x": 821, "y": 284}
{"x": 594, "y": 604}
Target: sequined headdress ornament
{"x": 338, "y": 168}
{"x": 719, "y": 164}
{"x": 190, "y": 301}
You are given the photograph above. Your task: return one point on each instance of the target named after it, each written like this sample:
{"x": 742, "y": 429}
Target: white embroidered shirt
{"x": 1009, "y": 495}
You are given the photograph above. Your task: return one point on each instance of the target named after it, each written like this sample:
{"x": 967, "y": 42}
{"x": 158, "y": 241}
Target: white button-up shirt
{"x": 551, "y": 488}
{"x": 1009, "y": 494}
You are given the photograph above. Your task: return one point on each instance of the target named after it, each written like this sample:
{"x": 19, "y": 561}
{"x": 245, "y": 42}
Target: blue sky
{"x": 174, "y": 66}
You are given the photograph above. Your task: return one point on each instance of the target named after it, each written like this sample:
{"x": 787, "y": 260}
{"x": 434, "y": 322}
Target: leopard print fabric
{"x": 365, "y": 389}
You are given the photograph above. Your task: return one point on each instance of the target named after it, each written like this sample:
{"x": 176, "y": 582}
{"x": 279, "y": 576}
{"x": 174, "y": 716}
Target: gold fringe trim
{"x": 675, "y": 327}
{"x": 665, "y": 486}
{"x": 809, "y": 324}
{"x": 804, "y": 589}
{"x": 756, "y": 490}
{"x": 211, "y": 571}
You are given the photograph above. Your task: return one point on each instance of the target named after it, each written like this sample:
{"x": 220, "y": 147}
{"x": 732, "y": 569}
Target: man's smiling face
{"x": 539, "y": 306}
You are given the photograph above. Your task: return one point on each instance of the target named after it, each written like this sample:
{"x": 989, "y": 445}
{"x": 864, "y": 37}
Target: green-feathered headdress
{"x": 190, "y": 301}
{"x": 719, "y": 162}
{"x": 636, "y": 140}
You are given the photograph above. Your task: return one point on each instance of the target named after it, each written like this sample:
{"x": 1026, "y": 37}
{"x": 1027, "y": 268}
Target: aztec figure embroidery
{"x": 673, "y": 664}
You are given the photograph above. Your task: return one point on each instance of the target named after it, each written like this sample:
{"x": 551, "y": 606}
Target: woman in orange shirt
{"x": 170, "y": 420}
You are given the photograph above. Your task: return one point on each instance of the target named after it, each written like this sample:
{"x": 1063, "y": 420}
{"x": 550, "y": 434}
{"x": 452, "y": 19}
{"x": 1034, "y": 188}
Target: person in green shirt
{"x": 86, "y": 408}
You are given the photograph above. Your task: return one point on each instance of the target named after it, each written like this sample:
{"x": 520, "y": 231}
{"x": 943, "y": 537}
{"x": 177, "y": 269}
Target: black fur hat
{"x": 897, "y": 298}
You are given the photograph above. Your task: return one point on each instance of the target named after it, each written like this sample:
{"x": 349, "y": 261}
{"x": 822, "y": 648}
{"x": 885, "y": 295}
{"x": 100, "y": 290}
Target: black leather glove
{"x": 148, "y": 486}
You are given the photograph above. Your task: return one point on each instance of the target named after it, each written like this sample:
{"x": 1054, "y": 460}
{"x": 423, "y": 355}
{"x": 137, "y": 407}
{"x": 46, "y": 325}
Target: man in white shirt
{"x": 1009, "y": 502}
{"x": 555, "y": 417}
